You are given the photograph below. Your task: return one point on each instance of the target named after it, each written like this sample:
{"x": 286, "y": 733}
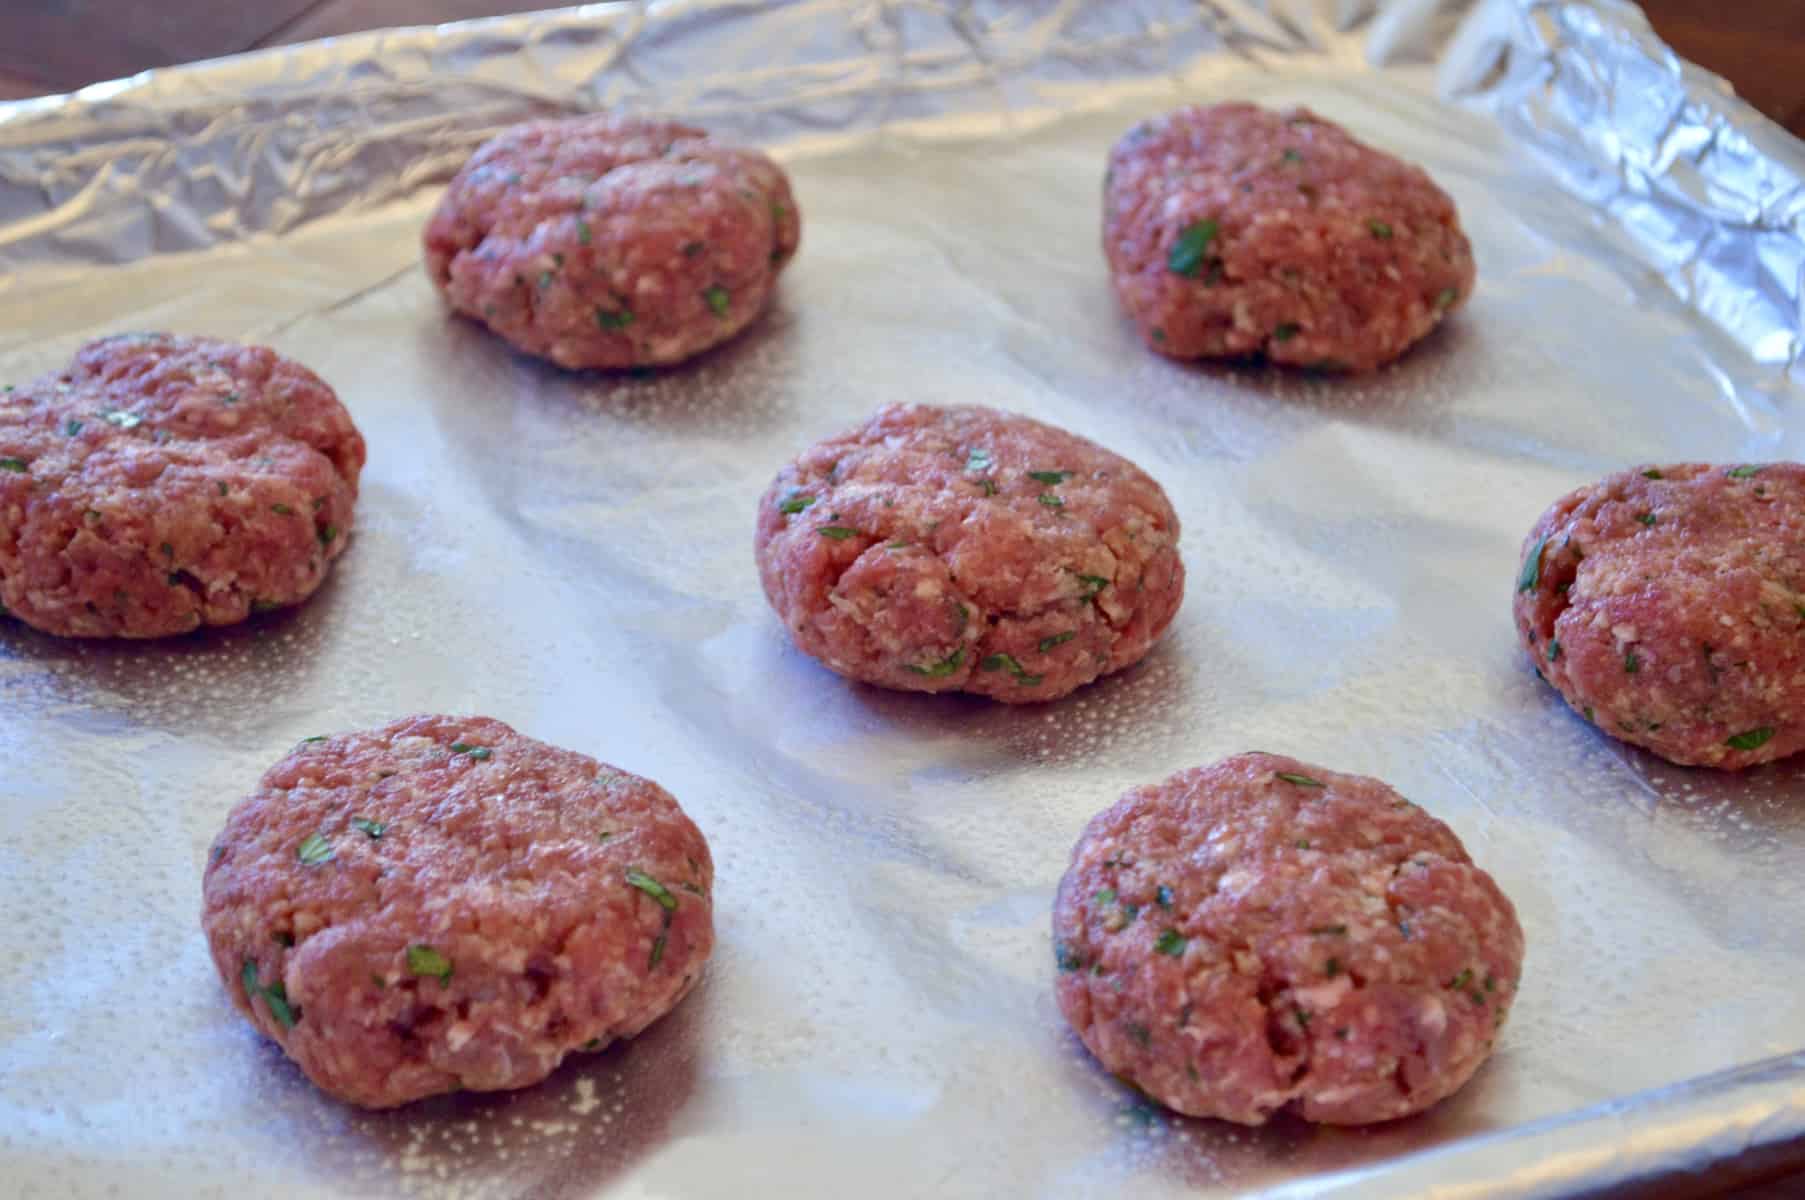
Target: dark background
{"x": 49, "y": 46}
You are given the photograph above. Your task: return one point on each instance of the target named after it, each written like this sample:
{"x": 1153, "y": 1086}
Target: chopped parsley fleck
{"x": 1092, "y": 585}
{"x": 941, "y": 669}
{"x": 318, "y": 737}
{"x": 613, "y": 318}
{"x": 657, "y": 949}
{"x": 1631, "y": 664}
{"x": 1007, "y": 662}
{"x": 1379, "y": 229}
{"x": 328, "y": 534}
{"x": 1446, "y": 297}
{"x": 1303, "y": 1017}
{"x": 231, "y": 397}
{"x": 838, "y": 533}
{"x": 592, "y": 1044}
{"x": 1750, "y": 739}
{"x": 979, "y": 460}
{"x": 1303, "y": 843}
{"x": 374, "y": 828}
{"x": 1292, "y": 156}
{"x": 314, "y": 850}
{"x": 988, "y": 487}
{"x": 1646, "y": 518}
{"x": 1329, "y": 930}
{"x": 1058, "y": 639}
{"x": 479, "y": 753}
{"x": 424, "y": 960}
{"x": 1164, "y": 896}
{"x": 1159, "y": 335}
{"x": 717, "y": 299}
{"x": 1188, "y": 251}
{"x": 1743, "y": 472}
{"x": 1105, "y": 896}
{"x": 1285, "y": 332}
{"x": 794, "y": 503}
{"x": 583, "y": 232}
{"x": 1461, "y": 980}
{"x": 1170, "y": 942}
{"x": 1301, "y": 780}
{"x": 1554, "y": 649}
{"x": 282, "y": 510}
{"x": 1051, "y": 501}
{"x": 72, "y": 428}
{"x": 16, "y": 465}
{"x": 1066, "y": 957}
{"x": 224, "y": 488}
{"x": 652, "y": 888}
{"x": 1651, "y": 473}
{"x": 276, "y": 996}
{"x": 1532, "y": 567}
{"x": 1332, "y": 968}
{"x": 1051, "y": 478}
{"x": 545, "y": 279}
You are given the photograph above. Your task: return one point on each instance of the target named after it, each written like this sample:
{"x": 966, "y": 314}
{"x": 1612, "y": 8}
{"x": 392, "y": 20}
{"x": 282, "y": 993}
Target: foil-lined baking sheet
{"x": 571, "y": 554}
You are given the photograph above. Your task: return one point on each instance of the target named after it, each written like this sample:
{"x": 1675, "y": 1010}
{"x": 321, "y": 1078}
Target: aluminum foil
{"x": 571, "y": 553}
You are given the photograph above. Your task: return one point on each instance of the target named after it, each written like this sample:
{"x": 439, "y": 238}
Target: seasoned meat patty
{"x": 444, "y": 903}
{"x": 1263, "y": 934}
{"x": 163, "y": 483}
{"x": 605, "y": 241}
{"x": 965, "y": 549}
{"x": 1667, "y": 604}
{"x": 1232, "y": 231}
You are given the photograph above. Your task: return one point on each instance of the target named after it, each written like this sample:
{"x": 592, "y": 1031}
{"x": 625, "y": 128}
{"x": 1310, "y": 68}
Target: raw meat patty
{"x": 443, "y": 903}
{"x": 162, "y": 483}
{"x": 965, "y": 549}
{"x": 1264, "y": 934}
{"x": 1667, "y": 604}
{"x": 606, "y": 241}
{"x": 1233, "y": 231}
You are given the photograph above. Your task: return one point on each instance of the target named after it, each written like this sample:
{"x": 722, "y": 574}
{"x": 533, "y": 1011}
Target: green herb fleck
{"x": 545, "y": 279}
{"x": 593, "y": 1044}
{"x": 276, "y": 996}
{"x": 318, "y": 737}
{"x": 1332, "y": 968}
{"x": 717, "y": 299}
{"x": 1461, "y": 980}
{"x": 1285, "y": 332}
{"x": 1188, "y": 251}
{"x": 374, "y": 828}
{"x": 1646, "y": 518}
{"x": 941, "y": 669}
{"x": 1651, "y": 473}
{"x": 1007, "y": 662}
{"x": 1554, "y": 649}
{"x": 1303, "y": 1017}
{"x": 838, "y": 533}
{"x": 652, "y": 888}
{"x": 1379, "y": 229}
{"x": 1329, "y": 930}
{"x": 1631, "y": 664}
{"x": 282, "y": 510}
{"x": 1058, "y": 639}
{"x": 328, "y": 534}
{"x": 583, "y": 232}
{"x": 1159, "y": 335}
{"x": 1051, "y": 478}
{"x": 1446, "y": 297}
{"x": 979, "y": 460}
{"x": 224, "y": 488}
{"x": 1066, "y": 957}
{"x": 231, "y": 397}
{"x": 72, "y": 428}
{"x": 1750, "y": 739}
{"x": 794, "y": 503}
{"x": 613, "y": 318}
{"x": 1532, "y": 567}
{"x": 988, "y": 487}
{"x": 657, "y": 949}
{"x": 1164, "y": 896}
{"x": 424, "y": 960}
{"x": 1092, "y": 585}
{"x": 16, "y": 465}
{"x": 1301, "y": 780}
{"x": 1170, "y": 942}
{"x": 1743, "y": 472}
{"x": 1051, "y": 501}
{"x": 314, "y": 850}
{"x": 1105, "y": 896}
{"x": 1292, "y": 156}
{"x": 1303, "y": 843}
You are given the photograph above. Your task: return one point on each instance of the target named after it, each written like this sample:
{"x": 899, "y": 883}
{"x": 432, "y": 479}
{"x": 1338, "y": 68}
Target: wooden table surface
{"x": 49, "y": 46}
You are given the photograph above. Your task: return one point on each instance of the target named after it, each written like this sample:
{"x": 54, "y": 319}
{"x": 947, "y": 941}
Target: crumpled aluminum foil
{"x": 571, "y": 553}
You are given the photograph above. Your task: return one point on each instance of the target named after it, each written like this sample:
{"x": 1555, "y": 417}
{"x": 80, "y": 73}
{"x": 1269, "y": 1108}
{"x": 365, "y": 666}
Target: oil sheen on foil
{"x": 572, "y": 554}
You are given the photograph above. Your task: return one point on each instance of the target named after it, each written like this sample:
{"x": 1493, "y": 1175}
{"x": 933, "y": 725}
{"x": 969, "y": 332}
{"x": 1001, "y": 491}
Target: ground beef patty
{"x": 1667, "y": 604}
{"x": 965, "y": 549}
{"x": 1263, "y": 934}
{"x": 163, "y": 483}
{"x": 612, "y": 241}
{"x": 443, "y": 903}
{"x": 1233, "y": 231}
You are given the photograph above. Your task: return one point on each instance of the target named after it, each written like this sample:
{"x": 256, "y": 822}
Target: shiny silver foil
{"x": 571, "y": 553}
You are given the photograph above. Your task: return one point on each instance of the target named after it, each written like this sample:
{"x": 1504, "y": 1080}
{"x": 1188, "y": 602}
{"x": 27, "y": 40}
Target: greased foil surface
{"x": 571, "y": 554}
